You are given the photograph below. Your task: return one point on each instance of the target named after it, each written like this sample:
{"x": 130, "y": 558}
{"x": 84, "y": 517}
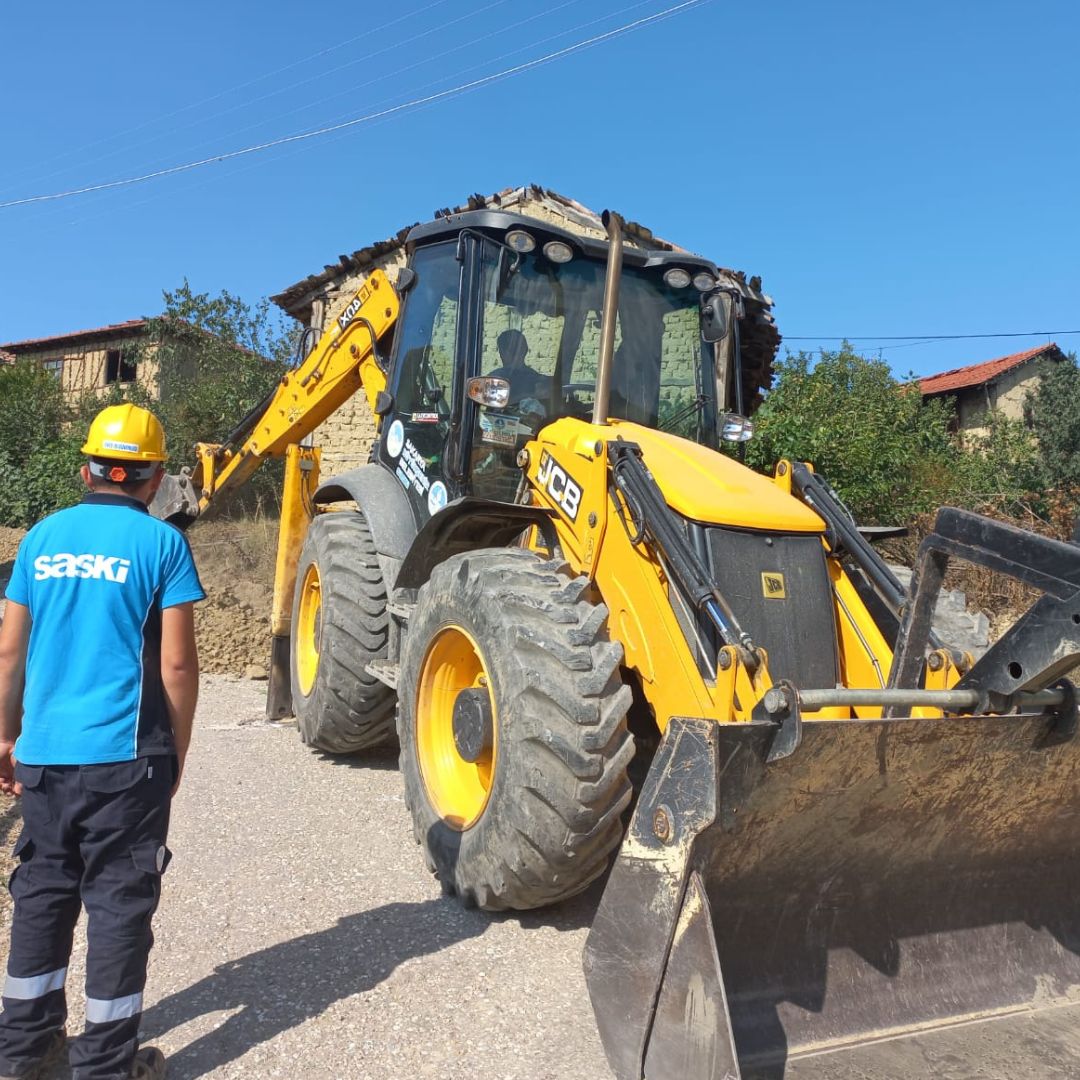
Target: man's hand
{"x": 8, "y": 784}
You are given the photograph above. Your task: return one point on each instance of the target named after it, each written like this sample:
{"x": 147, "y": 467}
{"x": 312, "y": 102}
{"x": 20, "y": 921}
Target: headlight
{"x": 703, "y": 282}
{"x": 677, "y": 277}
{"x": 558, "y": 252}
{"x": 520, "y": 241}
{"x": 736, "y": 428}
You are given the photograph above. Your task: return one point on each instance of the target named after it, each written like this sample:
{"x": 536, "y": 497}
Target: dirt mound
{"x": 236, "y": 564}
{"x": 235, "y": 559}
{"x": 9, "y": 543}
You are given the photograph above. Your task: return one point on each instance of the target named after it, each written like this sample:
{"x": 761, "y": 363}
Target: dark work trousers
{"x": 95, "y": 834}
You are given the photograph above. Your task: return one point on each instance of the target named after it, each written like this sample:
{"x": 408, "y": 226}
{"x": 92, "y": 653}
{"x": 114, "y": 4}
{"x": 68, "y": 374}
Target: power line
{"x": 59, "y": 208}
{"x": 397, "y": 72}
{"x": 926, "y": 339}
{"x": 367, "y": 34}
{"x": 416, "y": 102}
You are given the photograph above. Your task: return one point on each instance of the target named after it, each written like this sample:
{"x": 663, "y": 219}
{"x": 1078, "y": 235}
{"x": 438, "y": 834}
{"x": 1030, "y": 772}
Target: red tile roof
{"x": 987, "y": 371}
{"x": 115, "y": 330}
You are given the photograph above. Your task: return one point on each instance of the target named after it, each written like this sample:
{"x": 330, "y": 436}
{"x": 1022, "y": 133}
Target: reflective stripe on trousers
{"x": 34, "y": 986}
{"x": 107, "y": 1012}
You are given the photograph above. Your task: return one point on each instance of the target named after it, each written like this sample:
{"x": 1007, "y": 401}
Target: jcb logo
{"x": 772, "y": 585}
{"x": 558, "y": 484}
{"x": 355, "y": 304}
{"x": 98, "y": 567}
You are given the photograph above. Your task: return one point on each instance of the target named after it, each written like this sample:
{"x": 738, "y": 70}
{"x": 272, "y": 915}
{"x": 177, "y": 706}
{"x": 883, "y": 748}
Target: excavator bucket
{"x": 888, "y": 877}
{"x": 176, "y": 501}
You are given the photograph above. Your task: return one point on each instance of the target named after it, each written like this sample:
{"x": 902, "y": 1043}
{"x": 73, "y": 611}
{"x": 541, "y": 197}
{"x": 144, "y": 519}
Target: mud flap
{"x": 889, "y": 877}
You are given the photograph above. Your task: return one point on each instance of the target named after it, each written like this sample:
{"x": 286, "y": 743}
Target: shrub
{"x": 888, "y": 455}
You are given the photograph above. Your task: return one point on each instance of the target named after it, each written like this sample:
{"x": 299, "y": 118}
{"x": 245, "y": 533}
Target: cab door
{"x": 413, "y": 436}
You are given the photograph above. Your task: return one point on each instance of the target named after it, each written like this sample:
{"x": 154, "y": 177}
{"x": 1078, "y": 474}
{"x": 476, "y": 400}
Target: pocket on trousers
{"x": 29, "y": 776}
{"x": 117, "y": 776}
{"x": 23, "y": 852}
{"x": 151, "y": 857}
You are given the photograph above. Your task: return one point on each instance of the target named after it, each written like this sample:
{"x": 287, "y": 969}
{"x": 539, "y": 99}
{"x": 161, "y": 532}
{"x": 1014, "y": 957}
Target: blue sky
{"x": 888, "y": 169}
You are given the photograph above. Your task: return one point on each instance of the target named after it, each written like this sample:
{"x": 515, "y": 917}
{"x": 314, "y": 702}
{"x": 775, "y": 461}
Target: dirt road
{"x": 301, "y": 937}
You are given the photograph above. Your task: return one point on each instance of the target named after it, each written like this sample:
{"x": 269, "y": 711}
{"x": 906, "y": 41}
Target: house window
{"x": 55, "y": 366}
{"x": 120, "y": 366}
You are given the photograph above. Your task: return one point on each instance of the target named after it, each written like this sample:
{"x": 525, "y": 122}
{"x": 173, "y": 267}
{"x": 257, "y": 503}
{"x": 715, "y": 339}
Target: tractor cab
{"x": 499, "y": 336}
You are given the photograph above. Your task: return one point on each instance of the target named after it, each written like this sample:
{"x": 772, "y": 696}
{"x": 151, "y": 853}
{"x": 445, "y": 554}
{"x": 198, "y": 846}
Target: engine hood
{"x": 709, "y": 487}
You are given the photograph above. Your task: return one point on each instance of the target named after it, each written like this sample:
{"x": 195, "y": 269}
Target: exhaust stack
{"x": 614, "y": 225}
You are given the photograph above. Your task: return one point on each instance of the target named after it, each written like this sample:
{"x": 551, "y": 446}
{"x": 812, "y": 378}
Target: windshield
{"x": 541, "y": 331}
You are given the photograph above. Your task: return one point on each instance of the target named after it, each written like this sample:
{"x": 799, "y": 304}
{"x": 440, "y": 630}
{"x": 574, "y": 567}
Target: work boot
{"x": 149, "y": 1064}
{"x": 54, "y": 1053}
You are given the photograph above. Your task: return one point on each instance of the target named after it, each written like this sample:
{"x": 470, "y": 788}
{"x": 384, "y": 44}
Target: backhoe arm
{"x": 344, "y": 360}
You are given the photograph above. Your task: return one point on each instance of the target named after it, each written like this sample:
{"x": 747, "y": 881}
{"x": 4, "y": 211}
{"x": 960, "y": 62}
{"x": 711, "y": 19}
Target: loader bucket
{"x": 888, "y": 877}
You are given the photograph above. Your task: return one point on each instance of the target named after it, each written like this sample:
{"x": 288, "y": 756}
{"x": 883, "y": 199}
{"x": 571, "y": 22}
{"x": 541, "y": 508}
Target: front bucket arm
{"x": 888, "y": 877}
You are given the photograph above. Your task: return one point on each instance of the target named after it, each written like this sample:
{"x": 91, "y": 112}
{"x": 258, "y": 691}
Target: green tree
{"x": 39, "y": 451}
{"x": 888, "y": 455}
{"x": 999, "y": 467}
{"x": 1054, "y": 408}
{"x": 217, "y": 358}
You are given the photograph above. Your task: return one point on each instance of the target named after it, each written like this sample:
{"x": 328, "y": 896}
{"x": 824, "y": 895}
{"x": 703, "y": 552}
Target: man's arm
{"x": 14, "y": 635}
{"x": 180, "y": 675}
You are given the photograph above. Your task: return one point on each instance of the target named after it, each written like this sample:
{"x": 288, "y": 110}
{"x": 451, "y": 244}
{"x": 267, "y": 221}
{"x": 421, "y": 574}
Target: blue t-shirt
{"x": 96, "y": 578}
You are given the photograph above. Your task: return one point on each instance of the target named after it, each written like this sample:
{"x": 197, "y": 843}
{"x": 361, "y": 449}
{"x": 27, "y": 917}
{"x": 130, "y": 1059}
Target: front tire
{"x": 339, "y": 625}
{"x": 528, "y": 814}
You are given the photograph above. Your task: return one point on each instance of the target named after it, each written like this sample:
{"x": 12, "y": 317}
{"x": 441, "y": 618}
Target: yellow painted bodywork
{"x": 706, "y": 487}
{"x": 298, "y": 490}
{"x": 714, "y": 489}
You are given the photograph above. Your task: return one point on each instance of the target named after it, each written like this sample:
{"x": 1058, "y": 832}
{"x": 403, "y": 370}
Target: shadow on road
{"x": 381, "y": 759}
{"x": 284, "y": 985}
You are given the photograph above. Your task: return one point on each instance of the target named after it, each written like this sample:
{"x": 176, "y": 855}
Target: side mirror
{"x": 716, "y": 315}
{"x": 406, "y": 279}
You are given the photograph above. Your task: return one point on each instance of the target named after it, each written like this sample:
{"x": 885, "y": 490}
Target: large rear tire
{"x": 512, "y": 725}
{"x": 339, "y": 625}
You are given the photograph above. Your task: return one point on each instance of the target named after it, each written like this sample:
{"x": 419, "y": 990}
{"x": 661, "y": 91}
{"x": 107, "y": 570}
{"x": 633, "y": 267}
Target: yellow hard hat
{"x": 126, "y": 433}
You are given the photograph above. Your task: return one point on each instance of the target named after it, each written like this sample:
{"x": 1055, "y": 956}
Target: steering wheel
{"x": 574, "y": 407}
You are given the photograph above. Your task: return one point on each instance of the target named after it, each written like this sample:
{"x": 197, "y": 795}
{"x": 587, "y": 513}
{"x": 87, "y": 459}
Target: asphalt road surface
{"x": 301, "y": 936}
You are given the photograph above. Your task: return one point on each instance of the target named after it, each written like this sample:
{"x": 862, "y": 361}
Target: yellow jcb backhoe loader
{"x": 847, "y": 831}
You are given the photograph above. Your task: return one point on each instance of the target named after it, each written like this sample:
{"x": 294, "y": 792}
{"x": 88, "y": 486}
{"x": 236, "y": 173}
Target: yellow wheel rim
{"x": 308, "y": 630}
{"x": 458, "y": 789}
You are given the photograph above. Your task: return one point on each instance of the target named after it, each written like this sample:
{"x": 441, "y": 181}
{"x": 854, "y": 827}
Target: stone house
{"x": 346, "y": 437}
{"x": 1000, "y": 385}
{"x": 116, "y": 355}
{"x": 92, "y": 359}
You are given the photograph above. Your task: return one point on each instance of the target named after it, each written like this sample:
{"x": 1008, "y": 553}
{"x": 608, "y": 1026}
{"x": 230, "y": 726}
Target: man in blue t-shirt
{"x": 98, "y": 681}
